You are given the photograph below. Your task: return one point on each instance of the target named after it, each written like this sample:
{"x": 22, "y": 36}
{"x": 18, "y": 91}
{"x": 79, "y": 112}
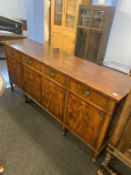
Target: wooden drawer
{"x": 31, "y": 62}
{"x": 88, "y": 94}
{"x": 53, "y": 74}
{"x": 15, "y": 54}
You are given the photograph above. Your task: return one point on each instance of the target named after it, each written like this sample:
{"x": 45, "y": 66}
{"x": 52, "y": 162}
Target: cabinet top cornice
{"x": 114, "y": 84}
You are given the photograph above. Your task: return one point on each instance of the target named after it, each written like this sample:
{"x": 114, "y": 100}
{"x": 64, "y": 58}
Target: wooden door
{"x": 53, "y": 98}
{"x": 15, "y": 71}
{"x": 84, "y": 119}
{"x": 32, "y": 84}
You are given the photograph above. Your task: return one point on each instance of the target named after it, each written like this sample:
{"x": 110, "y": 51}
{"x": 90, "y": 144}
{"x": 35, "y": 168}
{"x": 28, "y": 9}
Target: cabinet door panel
{"x": 32, "y": 84}
{"x": 84, "y": 119}
{"x": 70, "y": 16}
{"x": 53, "y": 98}
{"x": 58, "y": 12}
{"x": 93, "y": 46}
{"x": 15, "y": 71}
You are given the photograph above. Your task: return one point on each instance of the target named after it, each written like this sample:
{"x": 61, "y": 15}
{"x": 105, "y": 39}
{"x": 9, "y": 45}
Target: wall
{"x": 35, "y": 19}
{"x": 118, "y": 53}
{"x": 12, "y": 8}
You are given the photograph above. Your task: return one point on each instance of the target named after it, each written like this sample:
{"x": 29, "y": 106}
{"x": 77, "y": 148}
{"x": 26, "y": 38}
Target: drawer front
{"x": 88, "y": 94}
{"x": 15, "y": 54}
{"x": 53, "y": 74}
{"x": 31, "y": 62}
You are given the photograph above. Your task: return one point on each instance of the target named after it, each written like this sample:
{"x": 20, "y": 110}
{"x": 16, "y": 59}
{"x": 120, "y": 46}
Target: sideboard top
{"x": 114, "y": 84}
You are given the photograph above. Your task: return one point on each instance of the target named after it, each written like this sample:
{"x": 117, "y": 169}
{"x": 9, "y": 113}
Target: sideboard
{"x": 81, "y": 95}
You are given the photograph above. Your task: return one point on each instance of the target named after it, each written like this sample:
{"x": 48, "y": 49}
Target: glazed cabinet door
{"x": 32, "y": 83}
{"x": 84, "y": 119}
{"x": 53, "y": 98}
{"x": 15, "y": 71}
{"x": 70, "y": 14}
{"x": 57, "y": 13}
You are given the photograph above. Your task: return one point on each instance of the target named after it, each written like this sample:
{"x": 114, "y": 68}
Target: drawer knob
{"x": 86, "y": 93}
{"x": 30, "y": 62}
{"x": 52, "y": 74}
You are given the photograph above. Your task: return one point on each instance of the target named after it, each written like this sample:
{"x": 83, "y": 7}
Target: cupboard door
{"x": 68, "y": 44}
{"x": 58, "y": 12}
{"x": 93, "y": 46}
{"x": 70, "y": 14}
{"x": 84, "y": 119}
{"x": 53, "y": 98}
{"x": 32, "y": 84}
{"x": 81, "y": 43}
{"x": 56, "y": 40}
{"x": 15, "y": 71}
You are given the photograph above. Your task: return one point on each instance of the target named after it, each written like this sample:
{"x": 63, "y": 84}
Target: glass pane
{"x": 98, "y": 19}
{"x": 58, "y": 12}
{"x": 70, "y": 13}
{"x": 84, "y": 17}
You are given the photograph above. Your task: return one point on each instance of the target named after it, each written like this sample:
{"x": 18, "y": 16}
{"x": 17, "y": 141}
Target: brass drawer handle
{"x": 87, "y": 93}
{"x": 30, "y": 62}
{"x": 52, "y": 74}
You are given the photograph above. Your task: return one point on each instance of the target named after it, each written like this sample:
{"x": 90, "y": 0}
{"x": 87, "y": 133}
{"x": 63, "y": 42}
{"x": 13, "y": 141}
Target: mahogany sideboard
{"x": 81, "y": 95}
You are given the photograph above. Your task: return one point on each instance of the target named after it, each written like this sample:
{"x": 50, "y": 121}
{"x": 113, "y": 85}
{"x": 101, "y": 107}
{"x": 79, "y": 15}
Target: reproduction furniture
{"x": 120, "y": 144}
{"x": 64, "y": 15}
{"x": 81, "y": 95}
{"x": 2, "y": 88}
{"x": 93, "y": 29}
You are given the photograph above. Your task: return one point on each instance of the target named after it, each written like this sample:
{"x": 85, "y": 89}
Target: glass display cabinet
{"x": 94, "y": 24}
{"x": 64, "y": 15}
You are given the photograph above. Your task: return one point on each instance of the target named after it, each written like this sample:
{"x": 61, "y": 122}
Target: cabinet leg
{"x": 64, "y": 130}
{"x": 105, "y": 169}
{"x": 27, "y": 100}
{"x": 12, "y": 87}
{"x": 95, "y": 156}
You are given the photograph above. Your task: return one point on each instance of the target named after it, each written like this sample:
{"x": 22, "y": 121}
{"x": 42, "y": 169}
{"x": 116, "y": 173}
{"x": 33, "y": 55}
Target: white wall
{"x": 35, "y": 19}
{"x": 12, "y": 8}
{"x": 118, "y": 53}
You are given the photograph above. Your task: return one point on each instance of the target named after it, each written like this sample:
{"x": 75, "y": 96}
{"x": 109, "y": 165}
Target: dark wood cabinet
{"x": 69, "y": 89}
{"x": 94, "y": 24}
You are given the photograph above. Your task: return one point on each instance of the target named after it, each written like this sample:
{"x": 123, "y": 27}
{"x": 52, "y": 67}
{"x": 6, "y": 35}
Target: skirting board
{"x": 118, "y": 66}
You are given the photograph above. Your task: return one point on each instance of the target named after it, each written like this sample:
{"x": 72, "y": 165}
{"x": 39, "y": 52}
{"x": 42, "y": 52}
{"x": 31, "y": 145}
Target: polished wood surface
{"x": 109, "y": 82}
{"x": 81, "y": 95}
